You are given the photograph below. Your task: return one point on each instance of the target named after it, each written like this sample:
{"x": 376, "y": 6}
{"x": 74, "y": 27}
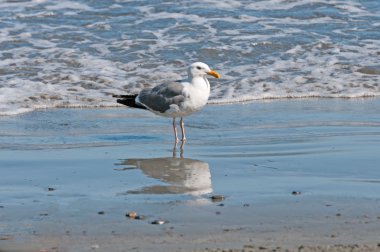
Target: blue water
{"x": 79, "y": 53}
{"x": 323, "y": 147}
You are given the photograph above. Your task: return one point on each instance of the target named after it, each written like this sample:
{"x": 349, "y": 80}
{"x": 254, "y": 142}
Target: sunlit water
{"x": 78, "y": 53}
{"x": 324, "y": 147}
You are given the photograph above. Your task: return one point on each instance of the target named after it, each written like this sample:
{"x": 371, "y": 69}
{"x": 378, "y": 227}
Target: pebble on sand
{"x": 217, "y": 198}
{"x": 95, "y": 246}
{"x": 158, "y": 222}
{"x": 6, "y": 237}
{"x": 131, "y": 215}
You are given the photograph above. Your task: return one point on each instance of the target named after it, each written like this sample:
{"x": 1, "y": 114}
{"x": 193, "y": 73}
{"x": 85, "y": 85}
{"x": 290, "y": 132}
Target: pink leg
{"x": 182, "y": 124}
{"x": 175, "y": 130}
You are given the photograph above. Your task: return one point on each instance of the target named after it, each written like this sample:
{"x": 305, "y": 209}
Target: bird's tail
{"x": 128, "y": 100}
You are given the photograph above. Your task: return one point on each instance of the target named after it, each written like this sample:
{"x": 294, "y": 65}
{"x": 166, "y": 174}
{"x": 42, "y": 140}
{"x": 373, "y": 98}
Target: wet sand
{"x": 297, "y": 175}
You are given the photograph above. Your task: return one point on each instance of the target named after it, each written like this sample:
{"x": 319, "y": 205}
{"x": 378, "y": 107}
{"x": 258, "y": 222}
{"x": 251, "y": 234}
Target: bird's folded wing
{"x": 162, "y": 96}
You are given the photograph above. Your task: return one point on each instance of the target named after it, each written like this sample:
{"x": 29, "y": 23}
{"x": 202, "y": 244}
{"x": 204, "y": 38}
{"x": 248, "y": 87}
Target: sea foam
{"x": 78, "y": 53}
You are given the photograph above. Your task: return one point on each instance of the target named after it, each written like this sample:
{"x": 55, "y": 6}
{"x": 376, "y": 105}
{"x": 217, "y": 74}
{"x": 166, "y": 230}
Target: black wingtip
{"x": 125, "y": 96}
{"x": 128, "y": 100}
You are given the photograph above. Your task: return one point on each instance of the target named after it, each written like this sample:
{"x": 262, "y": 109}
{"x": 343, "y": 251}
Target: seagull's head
{"x": 199, "y": 69}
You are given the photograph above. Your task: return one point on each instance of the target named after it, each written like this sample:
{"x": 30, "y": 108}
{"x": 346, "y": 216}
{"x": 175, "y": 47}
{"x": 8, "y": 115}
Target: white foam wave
{"x": 59, "y": 5}
{"x": 263, "y": 49}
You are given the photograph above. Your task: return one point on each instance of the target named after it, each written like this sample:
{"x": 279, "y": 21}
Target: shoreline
{"x": 210, "y": 103}
{"x": 292, "y": 173}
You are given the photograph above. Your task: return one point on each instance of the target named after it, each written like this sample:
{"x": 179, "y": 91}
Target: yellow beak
{"x": 214, "y": 73}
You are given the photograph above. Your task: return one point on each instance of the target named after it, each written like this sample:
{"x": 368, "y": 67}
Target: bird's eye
{"x": 199, "y": 68}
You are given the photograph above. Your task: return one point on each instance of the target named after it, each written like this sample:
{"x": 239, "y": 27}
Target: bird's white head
{"x": 199, "y": 69}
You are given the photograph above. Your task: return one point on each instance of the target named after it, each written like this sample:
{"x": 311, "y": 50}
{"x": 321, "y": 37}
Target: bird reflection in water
{"x": 180, "y": 175}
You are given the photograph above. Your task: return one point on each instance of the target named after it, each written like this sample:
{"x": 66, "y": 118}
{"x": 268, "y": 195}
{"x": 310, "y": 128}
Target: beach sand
{"x": 296, "y": 175}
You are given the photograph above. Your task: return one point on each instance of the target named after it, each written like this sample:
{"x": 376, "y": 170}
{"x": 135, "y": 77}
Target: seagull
{"x": 175, "y": 99}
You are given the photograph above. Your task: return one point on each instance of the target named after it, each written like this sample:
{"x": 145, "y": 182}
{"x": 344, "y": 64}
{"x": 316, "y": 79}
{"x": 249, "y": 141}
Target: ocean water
{"x": 60, "y": 53}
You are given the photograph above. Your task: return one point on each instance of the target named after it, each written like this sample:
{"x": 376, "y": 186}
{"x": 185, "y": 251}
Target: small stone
{"x": 217, "y": 198}
{"x": 6, "y": 237}
{"x": 296, "y": 193}
{"x": 158, "y": 222}
{"x": 131, "y": 215}
{"x": 248, "y": 246}
{"x": 95, "y": 246}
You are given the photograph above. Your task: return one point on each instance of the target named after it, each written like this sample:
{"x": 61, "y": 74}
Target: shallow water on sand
{"x": 317, "y": 140}
{"x": 70, "y": 171}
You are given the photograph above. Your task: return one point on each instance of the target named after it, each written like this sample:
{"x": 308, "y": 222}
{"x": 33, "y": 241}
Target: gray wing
{"x": 162, "y": 96}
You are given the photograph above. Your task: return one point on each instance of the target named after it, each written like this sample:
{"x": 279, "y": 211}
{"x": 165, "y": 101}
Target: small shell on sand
{"x": 217, "y": 198}
{"x": 6, "y": 237}
{"x": 131, "y": 215}
{"x": 158, "y": 222}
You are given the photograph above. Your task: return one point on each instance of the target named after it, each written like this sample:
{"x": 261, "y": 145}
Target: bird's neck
{"x": 200, "y": 82}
